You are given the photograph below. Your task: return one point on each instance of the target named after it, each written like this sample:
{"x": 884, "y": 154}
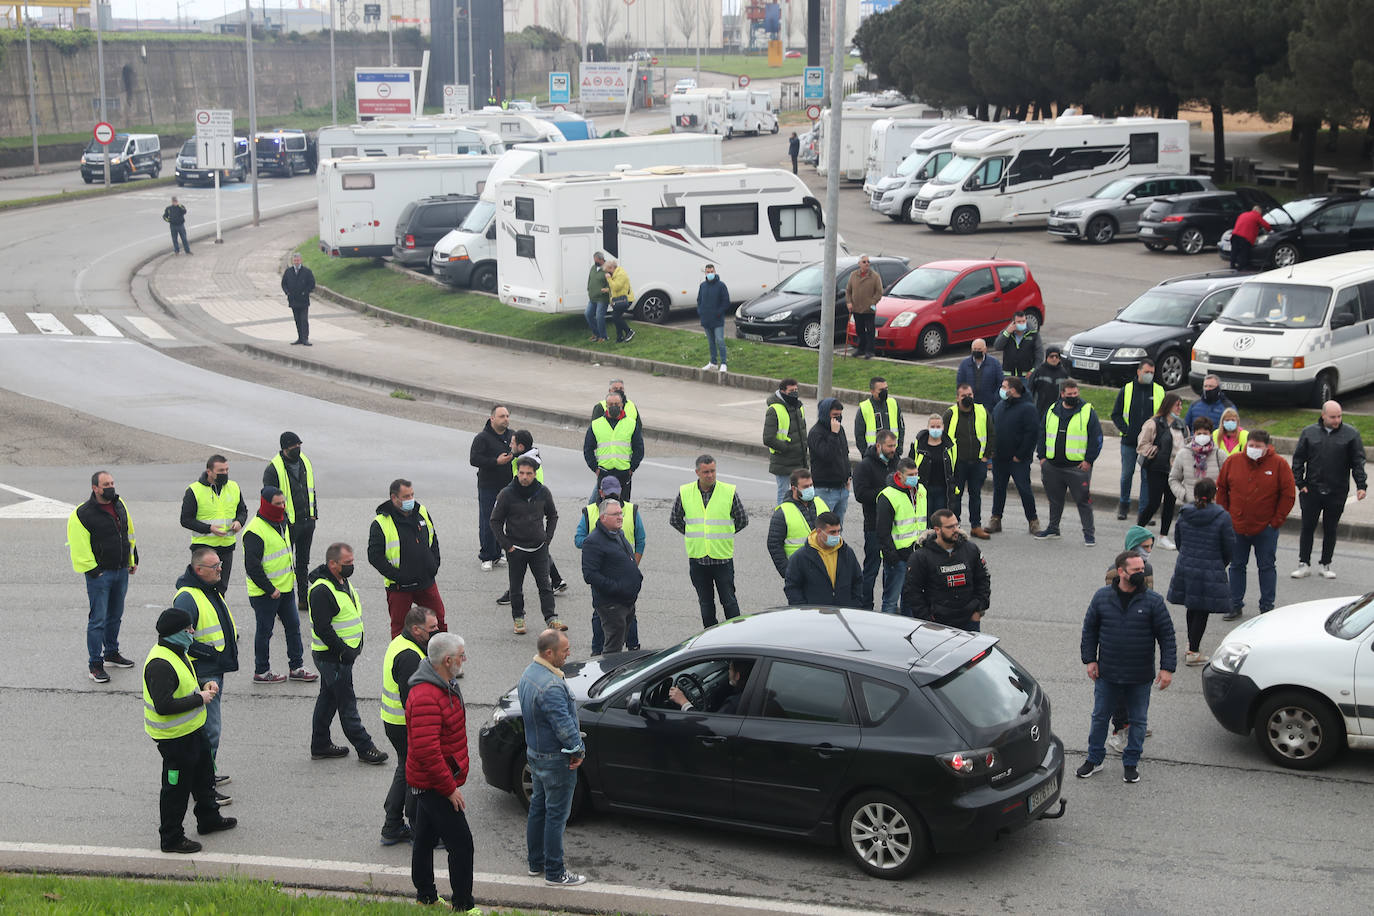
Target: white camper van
{"x": 401, "y": 138}
{"x": 467, "y": 255}
{"x": 510, "y": 126}
{"x": 755, "y": 225}
{"x": 893, "y": 194}
{"x": 361, "y": 199}
{"x": 855, "y": 125}
{"x": 889, "y": 142}
{"x": 727, "y": 112}
{"x": 1016, "y": 175}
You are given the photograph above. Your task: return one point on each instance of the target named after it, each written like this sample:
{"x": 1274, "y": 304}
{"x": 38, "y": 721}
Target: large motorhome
{"x": 402, "y": 138}
{"x": 855, "y": 124}
{"x": 755, "y": 225}
{"x": 726, "y": 112}
{"x": 889, "y": 142}
{"x": 1017, "y": 174}
{"x": 893, "y": 194}
{"x": 510, "y": 126}
{"x": 361, "y": 199}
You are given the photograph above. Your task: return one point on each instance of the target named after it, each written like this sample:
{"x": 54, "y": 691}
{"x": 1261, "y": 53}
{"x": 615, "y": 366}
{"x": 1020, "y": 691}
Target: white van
{"x": 1018, "y": 174}
{"x": 892, "y": 194}
{"x": 510, "y": 126}
{"x": 725, "y": 112}
{"x": 855, "y": 124}
{"x": 130, "y": 155}
{"x": 403, "y": 138}
{"x": 889, "y": 142}
{"x": 1298, "y": 335}
{"x": 755, "y": 225}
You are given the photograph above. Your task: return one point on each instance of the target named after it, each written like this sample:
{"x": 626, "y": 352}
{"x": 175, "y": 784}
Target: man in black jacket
{"x": 614, "y": 444}
{"x": 1043, "y": 383}
{"x": 292, "y": 473}
{"x": 869, "y": 479}
{"x": 523, "y": 521}
{"x": 609, "y": 567}
{"x": 947, "y": 578}
{"x": 794, "y": 519}
{"x": 784, "y": 433}
{"x": 401, "y": 660}
{"x": 298, "y": 283}
{"x": 973, "y": 436}
{"x": 1328, "y": 453}
{"x": 828, "y": 445}
{"x": 100, "y": 537}
{"x": 403, "y": 546}
{"x": 271, "y": 591}
{"x": 174, "y": 215}
{"x": 491, "y": 455}
{"x": 1135, "y": 403}
{"x": 212, "y": 509}
{"x": 1018, "y": 429}
{"x": 824, "y": 571}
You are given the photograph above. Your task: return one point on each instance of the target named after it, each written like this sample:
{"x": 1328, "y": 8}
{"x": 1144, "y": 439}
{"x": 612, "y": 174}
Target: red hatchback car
{"x": 946, "y": 302}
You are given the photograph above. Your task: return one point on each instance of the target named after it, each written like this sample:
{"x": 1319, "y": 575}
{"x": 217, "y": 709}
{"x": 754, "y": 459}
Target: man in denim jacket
{"x": 553, "y": 747}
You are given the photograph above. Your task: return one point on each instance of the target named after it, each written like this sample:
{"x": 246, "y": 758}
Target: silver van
{"x": 130, "y": 155}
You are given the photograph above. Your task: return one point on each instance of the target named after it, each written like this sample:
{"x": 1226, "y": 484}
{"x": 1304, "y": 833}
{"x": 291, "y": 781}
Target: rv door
{"x": 610, "y": 231}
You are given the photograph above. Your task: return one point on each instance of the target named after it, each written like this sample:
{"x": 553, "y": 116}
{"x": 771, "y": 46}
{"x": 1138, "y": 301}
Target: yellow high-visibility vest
{"x": 871, "y": 420}
{"x": 393, "y": 712}
{"x": 348, "y": 622}
{"x": 1242, "y": 437}
{"x": 216, "y": 510}
{"x": 797, "y": 528}
{"x": 614, "y": 444}
{"x": 163, "y": 727}
{"x": 393, "y": 537}
{"x": 79, "y": 541}
{"x": 1075, "y": 440}
{"x": 908, "y": 520}
{"x": 208, "y": 628}
{"x": 278, "y": 559}
{"x": 980, "y": 431}
{"x": 284, "y": 484}
{"x": 710, "y": 528}
{"x": 785, "y": 423}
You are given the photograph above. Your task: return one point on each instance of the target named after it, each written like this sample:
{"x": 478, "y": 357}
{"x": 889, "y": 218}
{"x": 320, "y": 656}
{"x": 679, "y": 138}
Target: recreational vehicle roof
{"x": 649, "y": 174}
{"x": 408, "y": 160}
{"x": 978, "y": 142}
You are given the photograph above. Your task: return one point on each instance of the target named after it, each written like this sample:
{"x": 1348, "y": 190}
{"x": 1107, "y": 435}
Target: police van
{"x": 1299, "y": 334}
{"x": 285, "y": 152}
{"x": 130, "y": 155}
{"x": 190, "y": 171}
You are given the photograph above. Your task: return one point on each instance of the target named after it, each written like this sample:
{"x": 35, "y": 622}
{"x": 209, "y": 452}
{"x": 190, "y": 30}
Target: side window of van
{"x": 1346, "y": 311}
{"x": 729, "y": 219}
{"x": 338, "y": 151}
{"x": 1083, "y": 160}
{"x": 1032, "y": 165}
{"x": 1366, "y": 301}
{"x": 1144, "y": 149}
{"x": 989, "y": 174}
{"x": 798, "y": 221}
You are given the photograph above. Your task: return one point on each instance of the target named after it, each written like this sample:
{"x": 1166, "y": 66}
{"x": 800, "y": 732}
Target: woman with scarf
{"x": 1161, "y": 437}
{"x": 1201, "y": 456}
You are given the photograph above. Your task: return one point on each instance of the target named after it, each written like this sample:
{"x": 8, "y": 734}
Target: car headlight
{"x": 947, "y": 192}
{"x": 779, "y": 316}
{"x": 903, "y": 320}
{"x": 459, "y": 253}
{"x": 1230, "y": 657}
{"x": 1201, "y": 356}
{"x": 1067, "y": 214}
{"x": 1288, "y": 362}
{"x": 1131, "y": 353}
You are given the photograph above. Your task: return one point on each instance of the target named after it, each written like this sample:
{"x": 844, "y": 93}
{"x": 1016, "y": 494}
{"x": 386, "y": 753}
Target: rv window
{"x": 669, "y": 217}
{"x": 524, "y": 246}
{"x": 1011, "y": 277}
{"x": 463, "y": 149}
{"x": 1032, "y": 165}
{"x": 362, "y": 181}
{"x": 1083, "y": 159}
{"x": 729, "y": 219}
{"x": 411, "y": 150}
{"x": 524, "y": 208}
{"x": 374, "y": 152}
{"x": 799, "y": 221}
{"x": 1144, "y": 148}
{"x": 338, "y": 151}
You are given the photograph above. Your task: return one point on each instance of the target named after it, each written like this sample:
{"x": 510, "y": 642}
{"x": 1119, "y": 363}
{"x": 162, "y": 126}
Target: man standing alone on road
{"x": 491, "y": 455}
{"x": 1329, "y": 452}
{"x": 403, "y": 546}
{"x": 784, "y": 434}
{"x": 713, "y": 304}
{"x": 402, "y": 657}
{"x": 861, "y": 295}
{"x": 709, "y": 515}
{"x": 598, "y": 298}
{"x": 100, "y": 538}
{"x": 212, "y": 508}
{"x": 298, "y": 283}
{"x": 292, "y": 473}
{"x": 174, "y": 215}
{"x": 793, "y": 150}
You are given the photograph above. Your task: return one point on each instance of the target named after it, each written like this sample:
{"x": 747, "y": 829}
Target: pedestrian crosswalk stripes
{"x": 48, "y": 323}
{"x": 99, "y": 325}
{"x": 149, "y": 328}
{"x": 89, "y": 326}
{"x": 7, "y": 326}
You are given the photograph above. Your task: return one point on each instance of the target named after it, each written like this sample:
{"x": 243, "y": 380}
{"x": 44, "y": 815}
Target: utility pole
{"x": 391, "y": 51}
{"x": 253, "y": 104}
{"x": 100, "y": 65}
{"x": 825, "y": 368}
{"x": 333, "y": 77}
{"x": 472, "y": 77}
{"x": 28, "y": 78}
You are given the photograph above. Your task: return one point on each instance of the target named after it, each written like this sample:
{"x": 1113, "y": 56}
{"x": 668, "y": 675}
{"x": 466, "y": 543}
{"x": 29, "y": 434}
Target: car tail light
{"x": 967, "y": 763}
{"x": 410, "y": 241}
{"x": 1172, "y": 219}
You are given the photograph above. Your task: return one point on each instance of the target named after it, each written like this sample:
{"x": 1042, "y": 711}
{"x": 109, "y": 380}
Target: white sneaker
{"x": 722, "y": 368}
{"x": 1116, "y": 741}
{"x": 486, "y": 566}
{"x": 1302, "y": 572}
{"x": 1164, "y": 542}
{"x": 1326, "y": 571}
{"x": 708, "y": 367}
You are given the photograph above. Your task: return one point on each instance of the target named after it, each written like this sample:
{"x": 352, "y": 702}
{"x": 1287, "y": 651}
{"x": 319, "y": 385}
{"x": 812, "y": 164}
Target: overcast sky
{"x": 194, "y": 9}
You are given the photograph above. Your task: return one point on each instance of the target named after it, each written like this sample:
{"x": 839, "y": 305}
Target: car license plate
{"x": 1237, "y": 386}
{"x": 1146, "y": 230}
{"x": 758, "y": 337}
{"x": 1042, "y": 795}
{"x": 1087, "y": 364}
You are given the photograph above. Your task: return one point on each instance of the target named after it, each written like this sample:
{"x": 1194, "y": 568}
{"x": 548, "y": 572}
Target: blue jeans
{"x": 969, "y": 477}
{"x": 1019, "y": 473}
{"x": 599, "y": 635}
{"x": 873, "y": 564}
{"x": 716, "y": 338}
{"x": 267, "y": 609}
{"x": 1128, "y": 467}
{"x": 337, "y": 696}
{"x": 837, "y": 498}
{"x": 105, "y": 593}
{"x": 1106, "y": 697}
{"x": 784, "y": 482}
{"x": 550, "y": 803}
{"x": 488, "y": 548}
{"x": 213, "y": 714}
{"x": 894, "y": 575}
{"x": 1266, "y": 544}
{"x": 596, "y": 317}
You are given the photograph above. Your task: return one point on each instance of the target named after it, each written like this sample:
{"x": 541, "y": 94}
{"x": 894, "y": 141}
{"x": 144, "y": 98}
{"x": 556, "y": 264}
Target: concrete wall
{"x": 161, "y": 82}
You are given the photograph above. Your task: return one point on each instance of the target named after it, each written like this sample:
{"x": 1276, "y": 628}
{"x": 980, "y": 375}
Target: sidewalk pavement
{"x": 232, "y": 293}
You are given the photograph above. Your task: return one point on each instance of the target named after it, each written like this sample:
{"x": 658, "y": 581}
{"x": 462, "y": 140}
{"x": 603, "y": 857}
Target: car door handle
{"x": 710, "y": 739}
{"x": 827, "y": 750}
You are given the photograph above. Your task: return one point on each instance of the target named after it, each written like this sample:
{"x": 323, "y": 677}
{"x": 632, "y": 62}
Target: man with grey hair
{"x": 436, "y": 768}
{"x": 609, "y": 567}
{"x": 402, "y": 659}
{"x": 861, "y": 295}
{"x": 598, "y": 298}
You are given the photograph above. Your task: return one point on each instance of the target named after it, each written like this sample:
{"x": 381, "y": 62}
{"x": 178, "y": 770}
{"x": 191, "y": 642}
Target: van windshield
{"x": 115, "y": 145}
{"x": 188, "y": 149}
{"x": 478, "y": 217}
{"x": 912, "y": 164}
{"x": 1277, "y": 305}
{"x": 956, "y": 170}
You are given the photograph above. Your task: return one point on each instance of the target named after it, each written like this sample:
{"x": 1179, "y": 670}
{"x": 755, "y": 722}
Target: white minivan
{"x": 1299, "y": 334}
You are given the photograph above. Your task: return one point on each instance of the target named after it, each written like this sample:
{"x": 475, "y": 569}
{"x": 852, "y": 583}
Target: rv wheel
{"x": 653, "y": 306}
{"x": 964, "y": 220}
{"x": 775, "y": 127}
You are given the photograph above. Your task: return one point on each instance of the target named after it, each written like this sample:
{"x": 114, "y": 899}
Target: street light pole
{"x": 472, "y": 77}
{"x": 333, "y": 77}
{"x": 33, "y": 103}
{"x": 100, "y": 65}
{"x": 253, "y": 104}
{"x": 825, "y": 368}
{"x": 390, "y": 50}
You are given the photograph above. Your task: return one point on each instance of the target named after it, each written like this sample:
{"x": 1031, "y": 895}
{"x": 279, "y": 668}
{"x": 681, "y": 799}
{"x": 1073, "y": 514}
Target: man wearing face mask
{"x": 902, "y": 513}
{"x": 491, "y": 455}
{"x": 1257, "y": 488}
{"x": 1044, "y": 381}
{"x": 713, "y": 304}
{"x": 1212, "y": 404}
{"x": 336, "y": 631}
{"x": 877, "y": 412}
{"x": 824, "y": 572}
{"x": 617, "y": 386}
{"x": 1136, "y": 402}
{"x": 869, "y": 479}
{"x": 213, "y": 510}
{"x": 1124, "y": 623}
{"x": 1018, "y": 428}
{"x": 292, "y": 473}
{"x": 947, "y": 578}
{"x": 784, "y": 434}
{"x": 613, "y": 445}
{"x": 1328, "y": 454}
{"x": 973, "y": 441}
{"x": 269, "y": 566}
{"x": 1021, "y": 346}
{"x": 794, "y": 519}
{"x": 982, "y": 373}
{"x": 403, "y": 546}
{"x": 1070, "y": 441}
{"x": 828, "y": 448}
{"x": 100, "y": 538}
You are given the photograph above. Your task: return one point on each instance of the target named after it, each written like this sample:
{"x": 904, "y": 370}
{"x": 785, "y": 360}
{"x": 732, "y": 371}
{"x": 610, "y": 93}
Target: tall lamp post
{"x": 100, "y": 65}
{"x": 253, "y": 103}
{"x": 333, "y": 78}
{"x": 33, "y": 103}
{"x": 825, "y": 367}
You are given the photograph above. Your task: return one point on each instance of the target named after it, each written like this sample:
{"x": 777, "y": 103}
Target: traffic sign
{"x": 215, "y": 138}
{"x": 813, "y": 84}
{"x": 104, "y": 133}
{"x": 560, "y": 88}
{"x": 559, "y": 108}
{"x": 353, "y": 18}
{"x": 455, "y": 98}
{"x": 743, "y": 80}
{"x": 813, "y": 112}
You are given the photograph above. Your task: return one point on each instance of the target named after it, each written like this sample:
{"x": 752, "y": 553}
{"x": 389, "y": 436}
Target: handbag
{"x": 620, "y": 303}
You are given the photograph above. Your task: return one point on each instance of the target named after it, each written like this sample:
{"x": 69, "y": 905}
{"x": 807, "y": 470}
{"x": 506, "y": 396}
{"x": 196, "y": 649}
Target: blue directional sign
{"x": 560, "y": 89}
{"x": 813, "y": 84}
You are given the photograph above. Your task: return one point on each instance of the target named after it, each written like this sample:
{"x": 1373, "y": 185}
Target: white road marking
{"x": 1090, "y": 292}
{"x": 149, "y": 328}
{"x": 99, "y": 325}
{"x": 7, "y": 326}
{"x": 239, "y": 451}
{"x": 48, "y": 323}
{"x": 726, "y": 477}
{"x": 752, "y": 402}
{"x": 34, "y": 506}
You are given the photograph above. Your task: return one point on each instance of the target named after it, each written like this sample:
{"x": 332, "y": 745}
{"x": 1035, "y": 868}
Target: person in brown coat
{"x": 861, "y": 294}
{"x": 1257, "y": 489}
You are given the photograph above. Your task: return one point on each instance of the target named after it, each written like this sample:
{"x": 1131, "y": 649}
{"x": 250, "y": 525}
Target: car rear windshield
{"x": 1277, "y": 305}
{"x": 923, "y": 283}
{"x": 805, "y": 282}
{"x": 1353, "y": 619}
{"x": 990, "y": 690}
{"x": 1155, "y": 307}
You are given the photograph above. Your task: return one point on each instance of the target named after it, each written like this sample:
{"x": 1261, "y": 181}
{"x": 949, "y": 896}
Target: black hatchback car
{"x": 1191, "y": 222}
{"x": 791, "y": 311}
{"x": 894, "y": 737}
{"x": 1161, "y": 324}
{"x": 1312, "y": 227}
{"x": 424, "y": 222}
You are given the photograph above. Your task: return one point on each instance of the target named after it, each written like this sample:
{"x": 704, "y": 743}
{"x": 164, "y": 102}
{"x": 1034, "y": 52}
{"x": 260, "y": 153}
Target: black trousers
{"x": 435, "y": 819}
{"x": 187, "y": 770}
{"x": 1328, "y": 508}
{"x": 226, "y": 558}
{"x": 400, "y": 801}
{"x": 863, "y": 331}
{"x": 709, "y": 579}
{"x": 302, "y": 536}
{"x": 615, "y": 624}
{"x": 1240, "y": 252}
{"x": 1197, "y": 626}
{"x": 302, "y": 315}
{"x": 1160, "y": 494}
{"x": 794, "y": 165}
{"x": 537, "y": 562}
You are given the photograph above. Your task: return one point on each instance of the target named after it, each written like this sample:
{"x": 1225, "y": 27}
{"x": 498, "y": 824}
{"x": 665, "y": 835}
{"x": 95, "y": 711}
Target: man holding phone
{"x": 491, "y": 455}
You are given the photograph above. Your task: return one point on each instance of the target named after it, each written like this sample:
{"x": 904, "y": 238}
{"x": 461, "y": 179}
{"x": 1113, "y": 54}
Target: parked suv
{"x": 424, "y": 222}
{"x": 1312, "y": 227}
{"x": 189, "y": 171}
{"x": 130, "y": 155}
{"x": 1115, "y": 208}
{"x": 1194, "y": 221}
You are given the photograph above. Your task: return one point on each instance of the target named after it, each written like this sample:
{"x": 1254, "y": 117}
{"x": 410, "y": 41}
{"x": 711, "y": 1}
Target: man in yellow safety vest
{"x": 212, "y": 510}
{"x": 292, "y": 473}
{"x": 614, "y": 444}
{"x": 784, "y": 434}
{"x": 269, "y": 565}
{"x": 794, "y": 519}
{"x": 1070, "y": 441}
{"x": 901, "y": 519}
{"x": 709, "y": 515}
{"x": 398, "y": 664}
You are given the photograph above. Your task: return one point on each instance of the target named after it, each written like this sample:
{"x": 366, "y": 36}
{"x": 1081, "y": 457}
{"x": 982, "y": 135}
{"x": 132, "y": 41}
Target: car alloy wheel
{"x": 1170, "y": 370}
{"x": 811, "y": 334}
{"x": 653, "y": 307}
{"x": 1191, "y": 241}
{"x": 1101, "y": 230}
{"x": 965, "y": 220}
{"x": 1285, "y": 255}
{"x": 883, "y": 835}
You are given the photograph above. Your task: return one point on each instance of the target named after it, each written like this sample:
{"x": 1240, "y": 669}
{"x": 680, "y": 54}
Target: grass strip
{"x": 85, "y": 193}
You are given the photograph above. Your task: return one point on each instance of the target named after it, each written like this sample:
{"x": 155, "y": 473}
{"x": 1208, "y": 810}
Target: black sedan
{"x": 1193, "y": 221}
{"x": 1161, "y": 324}
{"x": 1312, "y": 227}
{"x": 791, "y": 311}
{"x": 894, "y": 737}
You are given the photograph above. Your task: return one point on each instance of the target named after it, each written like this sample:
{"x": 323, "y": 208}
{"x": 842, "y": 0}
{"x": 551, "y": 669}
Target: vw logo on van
{"x": 1244, "y": 342}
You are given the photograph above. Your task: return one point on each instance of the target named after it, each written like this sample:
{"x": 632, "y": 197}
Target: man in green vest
{"x": 100, "y": 538}
{"x": 174, "y": 717}
{"x": 1070, "y": 441}
{"x": 336, "y": 630}
{"x": 709, "y": 515}
{"x": 877, "y": 412}
{"x": 398, "y": 664}
{"x": 784, "y": 434}
{"x": 403, "y": 546}
{"x": 901, "y": 519}
{"x": 212, "y": 510}
{"x": 614, "y": 444}
{"x": 270, "y": 569}
{"x": 794, "y": 519}
{"x": 969, "y": 428}
{"x": 292, "y": 473}
{"x": 1136, "y": 402}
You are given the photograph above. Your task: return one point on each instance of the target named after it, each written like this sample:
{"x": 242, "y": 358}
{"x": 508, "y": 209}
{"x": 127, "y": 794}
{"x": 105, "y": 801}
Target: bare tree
{"x": 606, "y": 17}
{"x": 557, "y": 15}
{"x": 687, "y": 13}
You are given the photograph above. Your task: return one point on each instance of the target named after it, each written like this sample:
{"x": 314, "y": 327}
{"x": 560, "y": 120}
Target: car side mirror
{"x": 954, "y": 297}
{"x": 1130, "y": 198}
{"x": 491, "y": 231}
{"x": 1342, "y": 320}
{"x": 634, "y": 705}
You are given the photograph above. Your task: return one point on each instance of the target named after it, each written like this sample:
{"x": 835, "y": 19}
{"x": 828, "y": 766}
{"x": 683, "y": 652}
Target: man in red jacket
{"x": 1257, "y": 489}
{"x": 436, "y": 765}
{"x": 1244, "y": 235}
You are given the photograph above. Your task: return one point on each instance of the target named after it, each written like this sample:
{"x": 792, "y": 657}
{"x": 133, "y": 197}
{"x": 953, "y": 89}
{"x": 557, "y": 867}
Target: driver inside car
{"x": 739, "y": 674}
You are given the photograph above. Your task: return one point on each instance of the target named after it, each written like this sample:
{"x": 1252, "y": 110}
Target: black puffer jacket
{"x": 1122, "y": 639}
{"x": 524, "y": 516}
{"x": 1324, "y": 461}
{"x": 946, "y": 586}
{"x": 487, "y": 446}
{"x": 830, "y": 466}
{"x": 419, "y": 560}
{"x": 870, "y": 476}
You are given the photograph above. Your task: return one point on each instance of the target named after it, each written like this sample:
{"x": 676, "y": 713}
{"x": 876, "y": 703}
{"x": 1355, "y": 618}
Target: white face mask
{"x": 1202, "y": 438}
{"x": 1256, "y": 452}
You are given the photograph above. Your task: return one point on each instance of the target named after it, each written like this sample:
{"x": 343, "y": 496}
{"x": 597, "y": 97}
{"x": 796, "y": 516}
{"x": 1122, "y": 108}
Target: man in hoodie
{"x": 877, "y": 412}
{"x": 491, "y": 455}
{"x": 933, "y": 452}
{"x": 901, "y": 519}
{"x": 632, "y": 524}
{"x": 270, "y": 569}
{"x": 869, "y": 479}
{"x": 784, "y": 434}
{"x": 703, "y": 512}
{"x": 403, "y": 546}
{"x": 973, "y": 437}
{"x": 609, "y": 566}
{"x": 523, "y": 520}
{"x": 100, "y": 539}
{"x": 1069, "y": 442}
{"x": 713, "y": 304}
{"x": 436, "y": 769}
{"x": 824, "y": 571}
{"x": 1328, "y": 454}
{"x": 614, "y": 443}
{"x": 174, "y": 704}
{"x": 947, "y": 578}
{"x": 1043, "y": 383}
{"x": 292, "y": 473}
{"x": 212, "y": 509}
{"x": 982, "y": 373}
{"x": 1258, "y": 489}
{"x": 1136, "y": 403}
{"x": 336, "y": 630}
{"x": 522, "y": 443}
{"x": 794, "y": 519}
{"x": 1018, "y": 428}
{"x": 828, "y": 447}
{"x": 218, "y": 638}
{"x": 403, "y": 656}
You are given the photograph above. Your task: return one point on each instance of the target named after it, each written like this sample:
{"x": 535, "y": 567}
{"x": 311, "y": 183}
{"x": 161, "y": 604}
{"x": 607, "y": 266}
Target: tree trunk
{"x": 1307, "y": 129}
{"x": 1219, "y": 144}
{"x": 1169, "y": 109}
{"x": 1333, "y": 138}
{"x": 981, "y": 112}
